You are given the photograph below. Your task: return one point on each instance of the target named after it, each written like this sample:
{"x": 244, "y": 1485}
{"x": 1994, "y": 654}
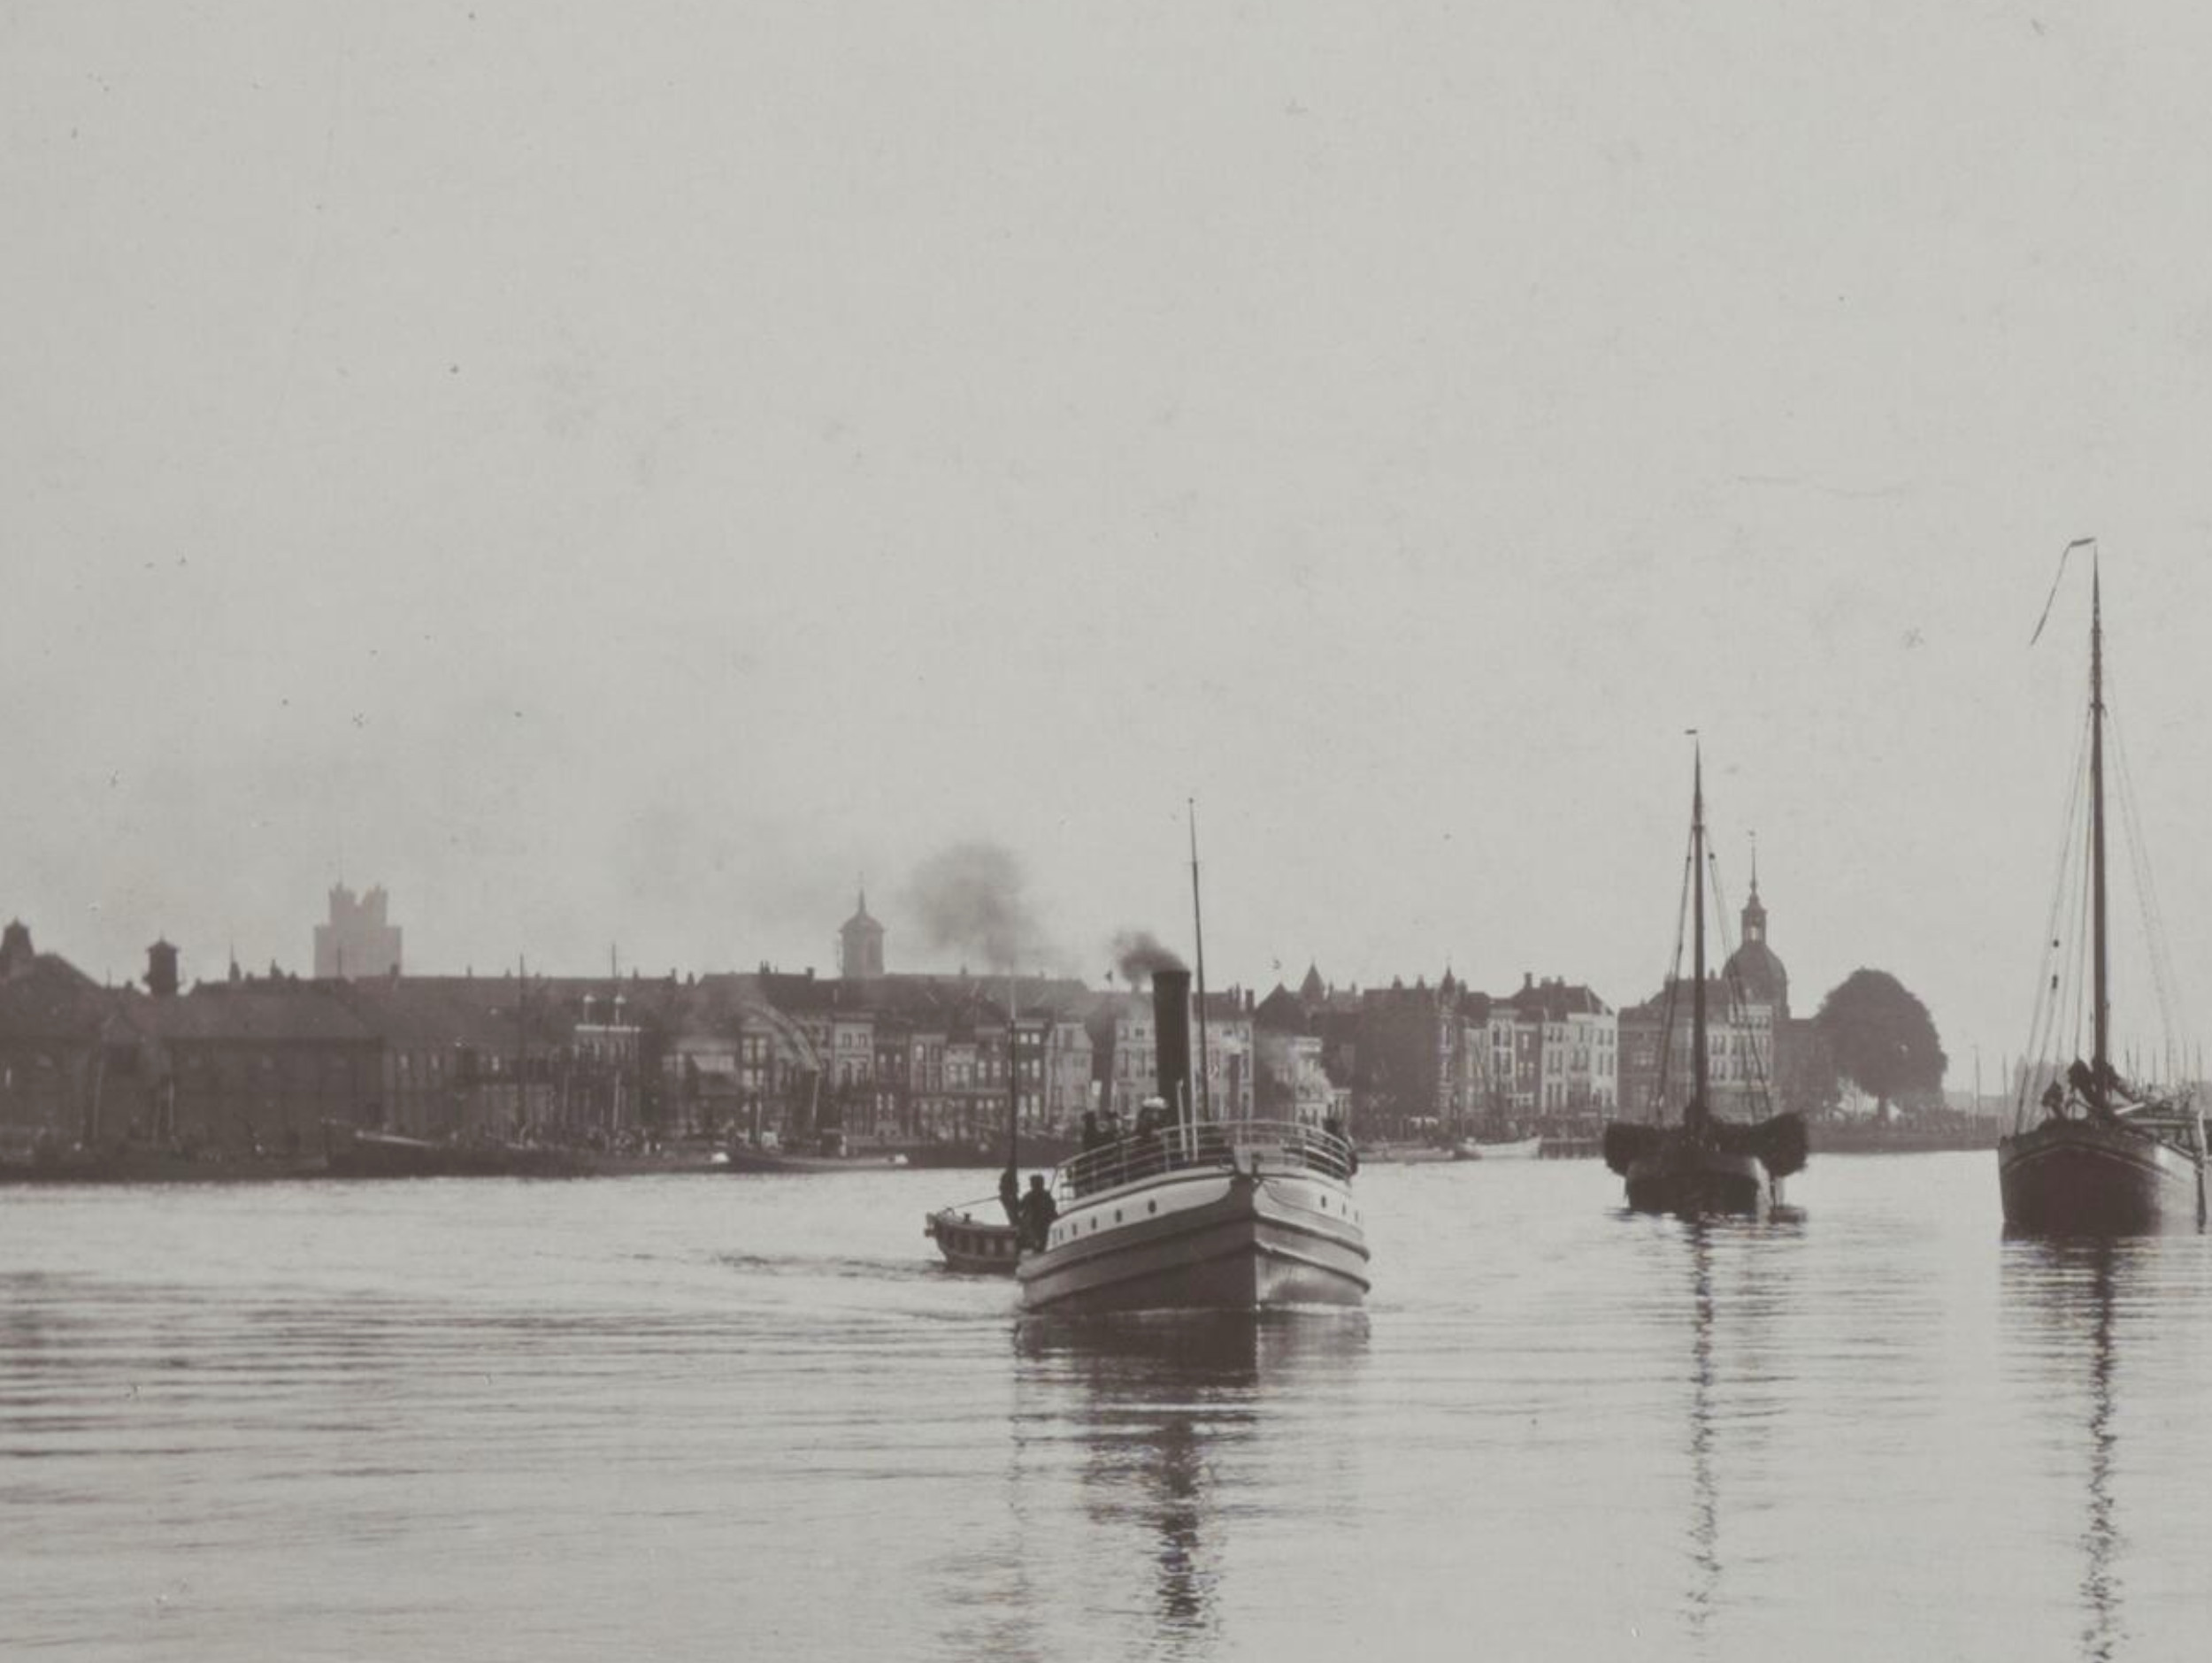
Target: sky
{"x": 620, "y": 477}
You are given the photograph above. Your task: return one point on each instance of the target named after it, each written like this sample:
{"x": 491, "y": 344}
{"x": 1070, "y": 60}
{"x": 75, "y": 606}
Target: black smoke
{"x": 972, "y": 899}
{"x": 1138, "y": 952}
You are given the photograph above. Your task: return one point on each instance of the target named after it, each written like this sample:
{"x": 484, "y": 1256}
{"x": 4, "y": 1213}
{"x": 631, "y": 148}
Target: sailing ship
{"x": 2103, "y": 1156}
{"x": 1703, "y": 1164}
{"x": 1188, "y": 1212}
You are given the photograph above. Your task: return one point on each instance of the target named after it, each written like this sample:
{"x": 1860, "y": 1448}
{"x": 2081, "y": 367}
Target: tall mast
{"x": 1009, "y": 1184}
{"x": 2100, "y": 1062}
{"x": 1198, "y": 936}
{"x": 522, "y": 1040}
{"x": 1013, "y": 1083}
{"x": 1694, "y": 1115}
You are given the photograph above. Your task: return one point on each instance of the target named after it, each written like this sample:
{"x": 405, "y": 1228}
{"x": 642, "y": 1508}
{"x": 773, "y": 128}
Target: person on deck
{"x": 1334, "y": 1127}
{"x": 1038, "y": 1211}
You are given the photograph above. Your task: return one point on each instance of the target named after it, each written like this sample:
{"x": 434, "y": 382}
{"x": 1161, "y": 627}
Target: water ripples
{"x": 705, "y": 1416}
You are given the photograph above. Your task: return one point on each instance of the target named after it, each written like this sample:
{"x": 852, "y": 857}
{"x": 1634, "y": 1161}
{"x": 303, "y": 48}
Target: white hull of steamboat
{"x": 2091, "y": 1177}
{"x": 1252, "y": 1227}
{"x": 1190, "y": 1214}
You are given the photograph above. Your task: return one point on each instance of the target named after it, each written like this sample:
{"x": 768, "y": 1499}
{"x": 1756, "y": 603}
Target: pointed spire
{"x": 1755, "y": 865}
{"x": 860, "y": 940}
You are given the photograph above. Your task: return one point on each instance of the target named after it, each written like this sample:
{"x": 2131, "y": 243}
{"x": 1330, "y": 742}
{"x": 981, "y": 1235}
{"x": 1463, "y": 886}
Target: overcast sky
{"x": 615, "y": 474}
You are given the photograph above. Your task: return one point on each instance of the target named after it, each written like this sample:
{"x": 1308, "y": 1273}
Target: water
{"x": 716, "y": 1417}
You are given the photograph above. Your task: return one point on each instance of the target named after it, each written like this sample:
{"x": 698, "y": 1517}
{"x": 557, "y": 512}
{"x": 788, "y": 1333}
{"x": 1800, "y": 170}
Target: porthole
{"x": 1117, "y": 1216}
{"x": 1151, "y": 1206}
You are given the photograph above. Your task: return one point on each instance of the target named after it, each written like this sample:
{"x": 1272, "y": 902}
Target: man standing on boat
{"x": 1037, "y": 1210}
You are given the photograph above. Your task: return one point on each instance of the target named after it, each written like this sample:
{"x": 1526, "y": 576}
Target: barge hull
{"x": 1696, "y": 1182}
{"x": 2077, "y": 1178}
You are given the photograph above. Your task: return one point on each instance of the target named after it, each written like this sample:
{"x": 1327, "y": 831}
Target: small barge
{"x": 971, "y": 1246}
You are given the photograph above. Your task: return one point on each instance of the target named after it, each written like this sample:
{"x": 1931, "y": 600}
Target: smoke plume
{"x": 970, "y": 898}
{"x": 1139, "y": 952}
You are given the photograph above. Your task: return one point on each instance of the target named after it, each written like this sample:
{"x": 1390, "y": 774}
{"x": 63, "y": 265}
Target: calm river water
{"x": 728, "y": 1417}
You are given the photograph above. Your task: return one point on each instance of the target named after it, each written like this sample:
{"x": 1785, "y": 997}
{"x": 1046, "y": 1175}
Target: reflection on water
{"x": 1729, "y": 1375}
{"x": 1168, "y": 1409}
{"x": 2074, "y": 1293}
{"x": 713, "y": 1418}
{"x": 1705, "y": 1512}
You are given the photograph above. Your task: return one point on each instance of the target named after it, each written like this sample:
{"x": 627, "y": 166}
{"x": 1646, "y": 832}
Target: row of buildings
{"x": 869, "y": 1054}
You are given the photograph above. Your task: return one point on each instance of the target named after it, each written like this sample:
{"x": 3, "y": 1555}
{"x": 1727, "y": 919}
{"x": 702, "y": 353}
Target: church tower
{"x": 16, "y": 954}
{"x": 1752, "y": 967}
{"x": 860, "y": 944}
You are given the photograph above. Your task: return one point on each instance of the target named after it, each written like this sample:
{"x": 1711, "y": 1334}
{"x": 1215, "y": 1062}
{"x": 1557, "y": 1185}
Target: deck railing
{"x": 1279, "y": 1144}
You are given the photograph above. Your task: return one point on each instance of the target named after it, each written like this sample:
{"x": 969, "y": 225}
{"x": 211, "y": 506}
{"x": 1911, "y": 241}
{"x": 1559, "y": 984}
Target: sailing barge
{"x": 1703, "y": 1164}
{"x": 2102, "y": 1157}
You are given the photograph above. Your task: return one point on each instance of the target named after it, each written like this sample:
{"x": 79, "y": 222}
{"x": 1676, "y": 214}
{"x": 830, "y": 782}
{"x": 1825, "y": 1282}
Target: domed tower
{"x": 1753, "y": 966}
{"x": 860, "y": 944}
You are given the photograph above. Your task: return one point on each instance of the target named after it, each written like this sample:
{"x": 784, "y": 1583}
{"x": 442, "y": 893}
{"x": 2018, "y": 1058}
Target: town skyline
{"x": 614, "y": 502}
{"x": 360, "y": 940}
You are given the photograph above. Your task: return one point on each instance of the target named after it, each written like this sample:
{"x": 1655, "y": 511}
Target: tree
{"x": 1805, "y": 1077}
{"x": 1881, "y": 1036}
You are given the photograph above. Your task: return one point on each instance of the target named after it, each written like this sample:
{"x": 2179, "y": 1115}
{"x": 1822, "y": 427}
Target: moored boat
{"x": 1195, "y": 1214}
{"x": 1504, "y": 1149}
{"x": 1040, "y": 1148}
{"x": 746, "y": 1158}
{"x": 1702, "y": 1164}
{"x": 2094, "y": 1155}
{"x": 133, "y": 1162}
{"x": 355, "y": 1151}
{"x": 1406, "y": 1155}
